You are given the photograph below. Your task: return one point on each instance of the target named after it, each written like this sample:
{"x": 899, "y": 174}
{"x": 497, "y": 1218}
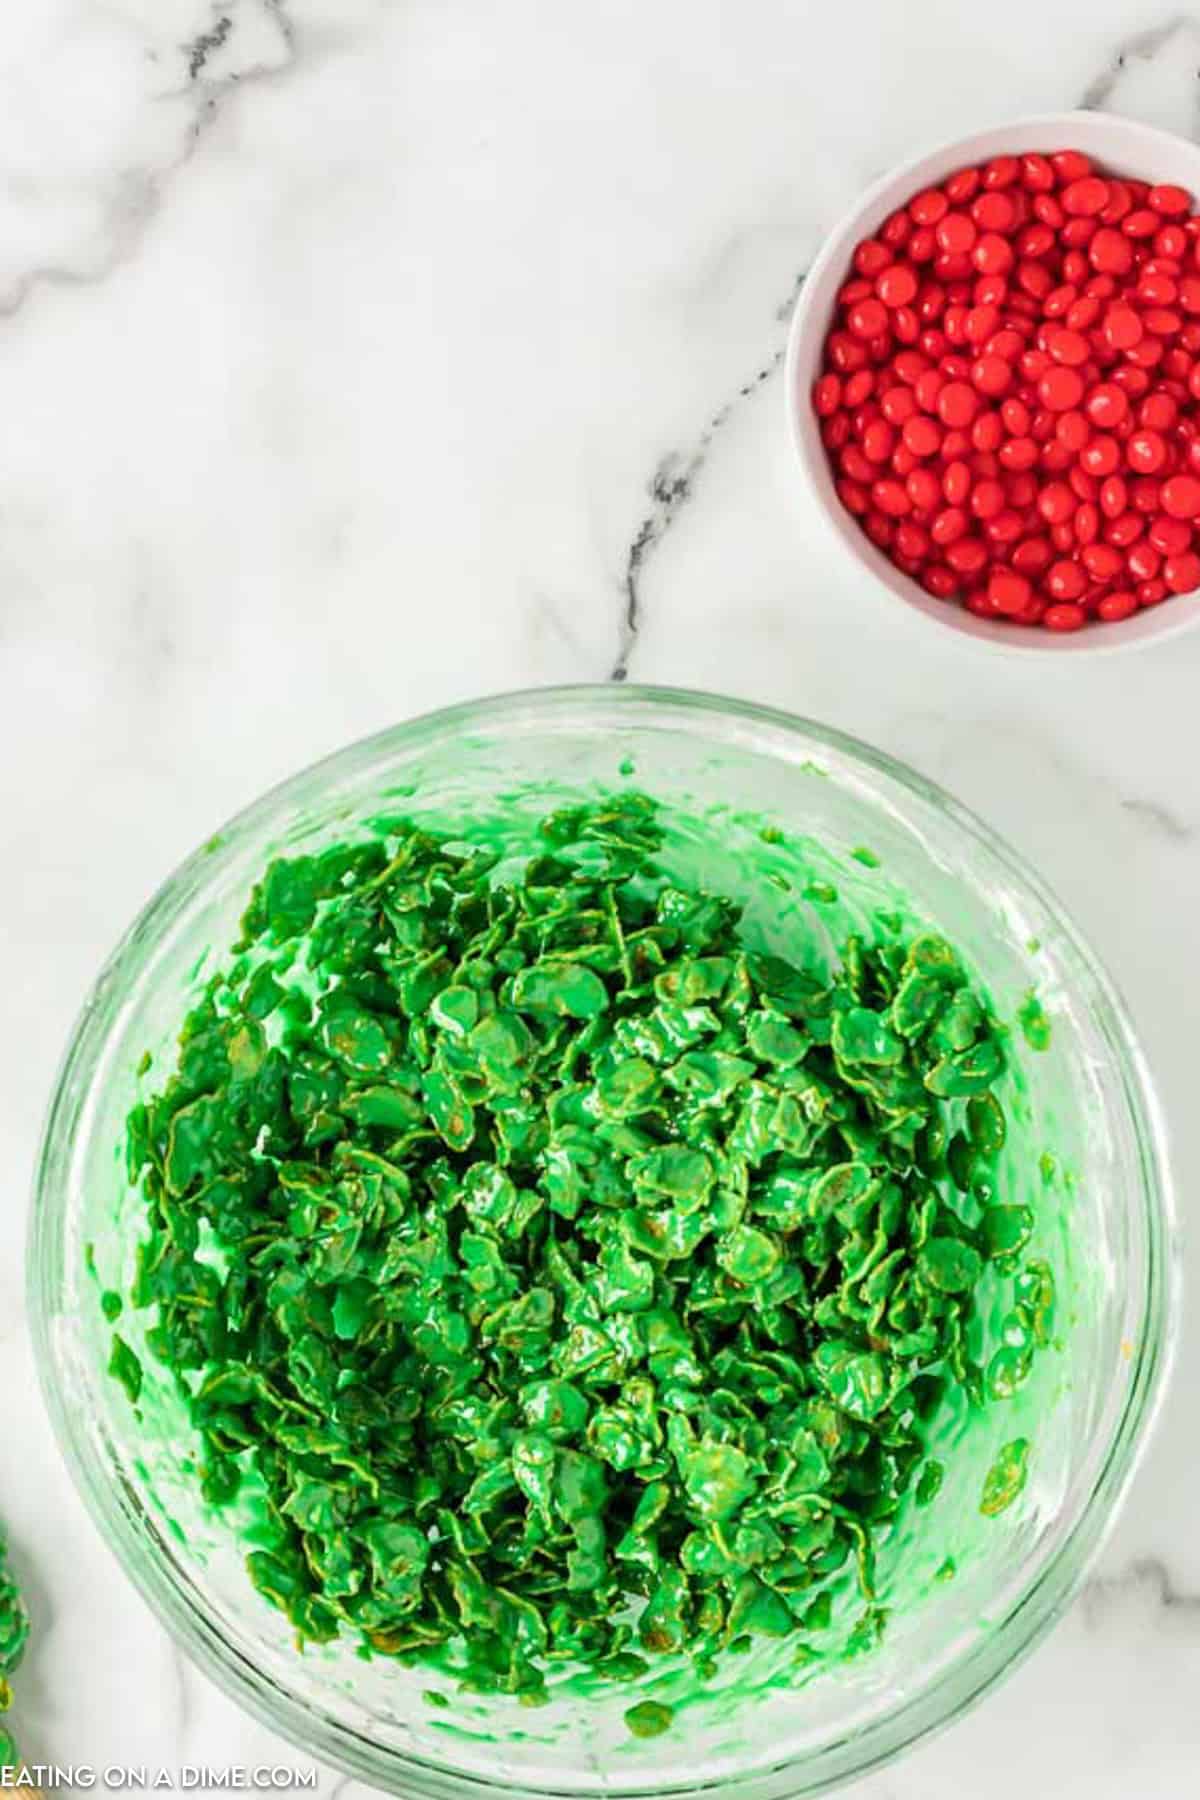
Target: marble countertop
{"x": 359, "y": 357}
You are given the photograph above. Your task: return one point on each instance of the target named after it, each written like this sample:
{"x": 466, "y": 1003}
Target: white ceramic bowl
{"x": 1120, "y": 146}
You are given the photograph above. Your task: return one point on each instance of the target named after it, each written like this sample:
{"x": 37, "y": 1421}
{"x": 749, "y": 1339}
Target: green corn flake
{"x": 717, "y": 1478}
{"x": 839, "y": 1186}
{"x": 961, "y": 1162}
{"x": 709, "y": 1077}
{"x": 628, "y": 1087}
{"x": 986, "y": 1124}
{"x": 1006, "y": 1478}
{"x": 1007, "y": 1369}
{"x": 1035, "y": 1026}
{"x": 771, "y": 1039}
{"x": 748, "y": 1255}
{"x": 125, "y": 1367}
{"x": 1006, "y": 1229}
{"x": 391, "y": 1108}
{"x": 966, "y": 1072}
{"x": 648, "y": 1719}
{"x": 451, "y": 1115}
{"x": 919, "y": 1000}
{"x": 357, "y": 1041}
{"x": 580, "y": 1269}
{"x": 949, "y": 1266}
{"x": 567, "y": 989}
{"x": 1034, "y": 1290}
{"x": 855, "y": 1379}
{"x": 818, "y": 1616}
{"x": 929, "y": 1482}
{"x": 760, "y": 1611}
{"x": 861, "y": 1036}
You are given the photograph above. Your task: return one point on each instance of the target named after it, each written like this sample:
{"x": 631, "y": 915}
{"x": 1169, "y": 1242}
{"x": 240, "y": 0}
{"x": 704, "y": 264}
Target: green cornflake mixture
{"x": 579, "y": 1283}
{"x": 14, "y": 1631}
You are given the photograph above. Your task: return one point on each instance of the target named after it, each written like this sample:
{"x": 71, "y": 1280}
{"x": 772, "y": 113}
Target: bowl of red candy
{"x": 993, "y": 383}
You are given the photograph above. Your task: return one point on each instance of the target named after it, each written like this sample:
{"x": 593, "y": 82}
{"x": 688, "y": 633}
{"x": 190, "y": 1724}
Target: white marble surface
{"x": 357, "y": 357}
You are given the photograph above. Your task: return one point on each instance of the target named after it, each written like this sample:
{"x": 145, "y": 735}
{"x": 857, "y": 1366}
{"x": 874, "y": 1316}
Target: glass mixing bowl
{"x": 758, "y": 1730}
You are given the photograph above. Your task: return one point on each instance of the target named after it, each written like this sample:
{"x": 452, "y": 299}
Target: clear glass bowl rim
{"x": 737, "y": 722}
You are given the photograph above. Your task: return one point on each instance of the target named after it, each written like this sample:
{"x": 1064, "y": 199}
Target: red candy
{"x": 957, "y": 404}
{"x": 1008, "y": 593}
{"x": 896, "y": 285}
{"x": 1061, "y": 389}
{"x": 1182, "y": 573}
{"x": 991, "y": 375}
{"x": 1067, "y": 346}
{"x": 1010, "y": 391}
{"x": 921, "y": 435}
{"x": 1085, "y": 197}
{"x": 867, "y": 318}
{"x": 1106, "y": 405}
{"x": 1181, "y": 496}
{"x": 1173, "y": 201}
{"x": 1146, "y": 452}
